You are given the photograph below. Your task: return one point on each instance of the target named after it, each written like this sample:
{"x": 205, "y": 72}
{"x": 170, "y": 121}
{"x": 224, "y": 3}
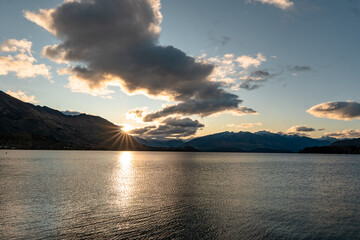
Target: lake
{"x": 178, "y": 195}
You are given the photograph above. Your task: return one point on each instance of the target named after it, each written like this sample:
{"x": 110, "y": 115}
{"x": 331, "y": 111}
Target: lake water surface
{"x": 162, "y": 195}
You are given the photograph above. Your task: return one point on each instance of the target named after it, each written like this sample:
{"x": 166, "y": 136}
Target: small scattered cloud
{"x": 23, "y": 96}
{"x": 299, "y": 68}
{"x": 348, "y": 133}
{"x": 243, "y": 125}
{"x": 246, "y": 61}
{"x": 354, "y": 6}
{"x": 170, "y": 128}
{"x": 20, "y": 60}
{"x": 346, "y": 111}
{"x": 218, "y": 40}
{"x": 282, "y": 4}
{"x": 301, "y": 129}
{"x": 227, "y": 72}
{"x": 246, "y": 85}
{"x": 137, "y": 114}
{"x": 70, "y": 113}
{"x": 253, "y": 79}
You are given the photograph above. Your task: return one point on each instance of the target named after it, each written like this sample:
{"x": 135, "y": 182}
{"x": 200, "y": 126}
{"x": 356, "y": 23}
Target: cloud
{"x": 251, "y": 81}
{"x": 70, "y": 113}
{"x": 283, "y": 4}
{"x": 247, "y": 86}
{"x": 243, "y": 125}
{"x": 221, "y": 41}
{"x": 227, "y": 72}
{"x": 21, "y": 62}
{"x": 347, "y": 111}
{"x": 302, "y": 128}
{"x": 354, "y": 6}
{"x": 228, "y": 103}
{"x": 348, "y": 133}
{"x": 23, "y": 96}
{"x": 299, "y": 68}
{"x": 13, "y": 45}
{"x": 246, "y": 61}
{"x": 121, "y": 49}
{"x": 136, "y": 114}
{"x": 170, "y": 128}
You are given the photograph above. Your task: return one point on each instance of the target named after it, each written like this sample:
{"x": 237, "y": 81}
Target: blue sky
{"x": 311, "y": 48}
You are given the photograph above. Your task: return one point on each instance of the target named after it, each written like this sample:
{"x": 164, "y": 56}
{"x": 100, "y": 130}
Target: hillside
{"x": 348, "y": 146}
{"x": 24, "y": 125}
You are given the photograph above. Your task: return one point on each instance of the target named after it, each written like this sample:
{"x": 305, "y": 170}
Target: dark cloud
{"x": 299, "y": 68}
{"x": 321, "y": 129}
{"x": 71, "y": 113}
{"x": 249, "y": 86}
{"x": 117, "y": 40}
{"x": 222, "y": 40}
{"x": 354, "y": 6}
{"x": 336, "y": 110}
{"x": 251, "y": 82}
{"x": 182, "y": 122}
{"x": 303, "y": 128}
{"x": 262, "y": 74}
{"x": 204, "y": 108}
{"x": 170, "y": 128}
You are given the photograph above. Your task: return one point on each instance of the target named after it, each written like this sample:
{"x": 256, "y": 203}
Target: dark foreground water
{"x": 157, "y": 195}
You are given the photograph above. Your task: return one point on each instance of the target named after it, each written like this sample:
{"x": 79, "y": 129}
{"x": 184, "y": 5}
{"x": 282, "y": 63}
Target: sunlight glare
{"x": 126, "y": 128}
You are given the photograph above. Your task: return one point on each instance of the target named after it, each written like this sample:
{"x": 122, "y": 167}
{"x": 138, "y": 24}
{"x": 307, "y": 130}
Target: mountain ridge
{"x": 25, "y": 125}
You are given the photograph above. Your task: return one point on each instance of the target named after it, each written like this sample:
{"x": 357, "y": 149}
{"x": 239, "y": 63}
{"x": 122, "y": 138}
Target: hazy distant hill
{"x": 24, "y": 125}
{"x": 349, "y": 146}
{"x": 262, "y": 141}
{"x": 173, "y": 143}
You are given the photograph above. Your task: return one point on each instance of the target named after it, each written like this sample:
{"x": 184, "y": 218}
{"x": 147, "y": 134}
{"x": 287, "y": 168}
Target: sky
{"x": 182, "y": 69}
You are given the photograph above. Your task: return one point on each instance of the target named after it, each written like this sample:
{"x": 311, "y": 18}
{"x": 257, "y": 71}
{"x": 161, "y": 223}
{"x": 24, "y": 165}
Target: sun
{"x": 126, "y": 127}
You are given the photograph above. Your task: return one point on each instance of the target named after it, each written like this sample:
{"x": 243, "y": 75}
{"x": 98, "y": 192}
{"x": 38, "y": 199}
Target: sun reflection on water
{"x": 124, "y": 179}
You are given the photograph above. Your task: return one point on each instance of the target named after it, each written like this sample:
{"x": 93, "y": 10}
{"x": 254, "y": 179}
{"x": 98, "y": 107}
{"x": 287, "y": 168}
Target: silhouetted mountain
{"x": 23, "y": 125}
{"x": 348, "y": 146}
{"x": 347, "y": 143}
{"x": 262, "y": 141}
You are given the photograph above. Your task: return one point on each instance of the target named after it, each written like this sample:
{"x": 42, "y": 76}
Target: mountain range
{"x": 26, "y": 126}
{"x": 262, "y": 141}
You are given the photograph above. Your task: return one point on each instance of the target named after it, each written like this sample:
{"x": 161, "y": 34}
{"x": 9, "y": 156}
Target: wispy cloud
{"x": 243, "y": 125}
{"x": 283, "y": 4}
{"x": 298, "y": 68}
{"x": 20, "y": 60}
{"x": 348, "y": 133}
{"x": 23, "y": 96}
{"x": 347, "y": 111}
